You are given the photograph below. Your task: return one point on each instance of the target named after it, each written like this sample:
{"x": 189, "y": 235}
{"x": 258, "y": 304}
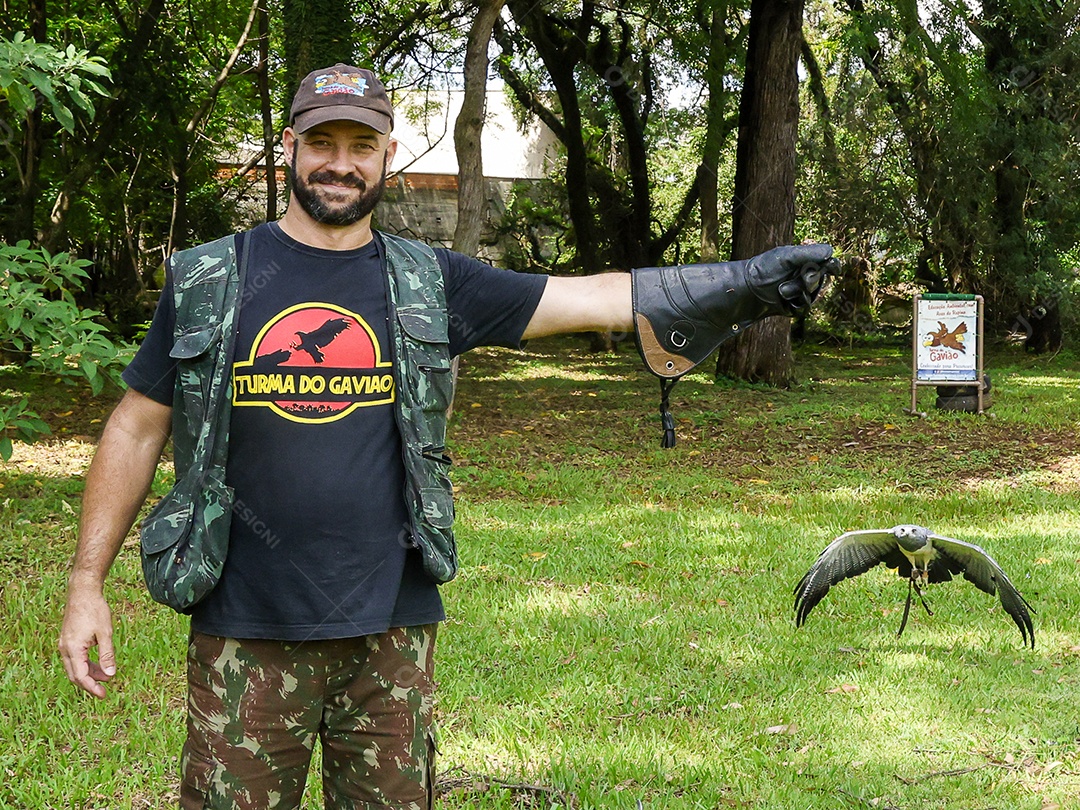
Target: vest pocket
{"x": 428, "y": 347}
{"x": 184, "y": 541}
{"x": 168, "y": 523}
{"x": 191, "y": 349}
{"x": 438, "y": 505}
{"x": 195, "y": 342}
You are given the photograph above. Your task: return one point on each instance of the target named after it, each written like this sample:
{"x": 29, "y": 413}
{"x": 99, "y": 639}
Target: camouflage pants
{"x": 256, "y": 707}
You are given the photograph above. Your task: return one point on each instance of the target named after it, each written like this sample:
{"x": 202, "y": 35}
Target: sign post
{"x": 947, "y": 343}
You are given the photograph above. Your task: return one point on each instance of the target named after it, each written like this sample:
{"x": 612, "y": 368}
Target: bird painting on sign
{"x": 919, "y": 555}
{"x": 946, "y": 338}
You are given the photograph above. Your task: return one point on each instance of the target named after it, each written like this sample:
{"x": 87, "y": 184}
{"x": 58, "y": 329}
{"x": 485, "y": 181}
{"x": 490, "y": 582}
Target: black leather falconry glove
{"x": 681, "y": 314}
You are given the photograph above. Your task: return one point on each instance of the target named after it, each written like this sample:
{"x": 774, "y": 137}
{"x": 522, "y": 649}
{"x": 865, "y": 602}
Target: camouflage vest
{"x": 185, "y": 537}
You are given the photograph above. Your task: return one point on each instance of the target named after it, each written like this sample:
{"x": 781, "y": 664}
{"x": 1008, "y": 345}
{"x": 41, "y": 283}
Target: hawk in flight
{"x": 920, "y": 556}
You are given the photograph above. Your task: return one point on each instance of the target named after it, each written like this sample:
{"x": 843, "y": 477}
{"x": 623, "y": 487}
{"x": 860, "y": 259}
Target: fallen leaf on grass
{"x": 537, "y": 555}
{"x": 790, "y": 728}
{"x": 844, "y": 688}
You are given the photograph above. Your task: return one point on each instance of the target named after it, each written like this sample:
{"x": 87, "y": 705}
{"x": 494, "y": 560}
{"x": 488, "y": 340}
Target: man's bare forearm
{"x": 117, "y": 484}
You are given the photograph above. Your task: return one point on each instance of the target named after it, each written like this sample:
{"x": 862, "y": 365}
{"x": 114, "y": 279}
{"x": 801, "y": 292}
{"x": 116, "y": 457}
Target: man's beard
{"x": 341, "y": 214}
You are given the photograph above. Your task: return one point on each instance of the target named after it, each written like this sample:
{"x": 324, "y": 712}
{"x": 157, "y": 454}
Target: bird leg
{"x": 922, "y": 598}
{"x": 907, "y": 609}
{"x": 912, "y": 586}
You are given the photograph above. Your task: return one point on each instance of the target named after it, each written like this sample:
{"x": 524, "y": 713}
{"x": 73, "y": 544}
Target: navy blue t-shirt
{"x": 316, "y": 548}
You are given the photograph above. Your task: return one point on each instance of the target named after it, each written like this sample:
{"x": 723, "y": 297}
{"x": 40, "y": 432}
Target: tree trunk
{"x": 318, "y": 33}
{"x": 267, "y": 112}
{"x": 562, "y": 51}
{"x": 1012, "y": 68}
{"x": 468, "y": 129}
{"x": 715, "y": 134}
{"x": 763, "y": 209}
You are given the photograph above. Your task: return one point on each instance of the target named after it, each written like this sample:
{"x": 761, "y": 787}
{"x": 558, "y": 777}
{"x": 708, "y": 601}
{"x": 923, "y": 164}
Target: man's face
{"x": 339, "y": 171}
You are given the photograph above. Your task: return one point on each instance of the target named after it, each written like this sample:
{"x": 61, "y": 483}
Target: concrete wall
{"x": 424, "y": 207}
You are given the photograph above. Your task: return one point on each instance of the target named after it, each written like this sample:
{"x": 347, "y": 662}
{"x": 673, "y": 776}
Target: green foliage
{"x": 942, "y": 146}
{"x": 63, "y": 77}
{"x": 42, "y": 323}
{"x": 535, "y": 222}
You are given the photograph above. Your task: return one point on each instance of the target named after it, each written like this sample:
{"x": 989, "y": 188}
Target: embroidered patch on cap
{"x": 337, "y": 83}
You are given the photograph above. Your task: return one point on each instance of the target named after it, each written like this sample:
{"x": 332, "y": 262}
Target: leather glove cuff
{"x": 681, "y": 314}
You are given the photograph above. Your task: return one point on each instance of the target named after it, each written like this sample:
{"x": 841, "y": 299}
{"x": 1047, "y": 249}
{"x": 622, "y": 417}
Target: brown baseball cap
{"x": 341, "y": 93}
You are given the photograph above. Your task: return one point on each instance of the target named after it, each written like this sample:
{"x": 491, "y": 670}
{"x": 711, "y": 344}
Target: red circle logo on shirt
{"x": 314, "y": 363}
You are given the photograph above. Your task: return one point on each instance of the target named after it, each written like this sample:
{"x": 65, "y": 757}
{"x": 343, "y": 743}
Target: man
{"x": 322, "y": 624}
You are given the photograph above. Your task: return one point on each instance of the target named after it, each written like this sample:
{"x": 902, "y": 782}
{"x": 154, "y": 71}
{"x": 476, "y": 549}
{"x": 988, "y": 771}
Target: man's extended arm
{"x": 116, "y": 487}
{"x": 682, "y": 313}
{"x": 600, "y": 303}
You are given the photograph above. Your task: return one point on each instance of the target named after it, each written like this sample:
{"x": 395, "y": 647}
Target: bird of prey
{"x": 316, "y": 339}
{"x": 917, "y": 554}
{"x": 950, "y": 340}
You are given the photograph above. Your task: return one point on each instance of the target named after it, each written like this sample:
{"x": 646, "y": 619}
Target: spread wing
{"x": 980, "y": 569}
{"x": 849, "y": 555}
{"x": 327, "y": 332}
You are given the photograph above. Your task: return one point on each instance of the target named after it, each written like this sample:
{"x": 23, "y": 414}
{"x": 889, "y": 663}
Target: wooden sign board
{"x": 947, "y": 343}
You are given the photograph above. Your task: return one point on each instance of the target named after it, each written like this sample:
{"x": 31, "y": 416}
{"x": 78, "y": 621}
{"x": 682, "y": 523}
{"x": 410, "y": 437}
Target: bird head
{"x": 910, "y": 537}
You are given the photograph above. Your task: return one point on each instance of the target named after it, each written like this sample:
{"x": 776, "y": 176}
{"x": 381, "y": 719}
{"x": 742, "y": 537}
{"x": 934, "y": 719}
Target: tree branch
{"x": 226, "y": 71}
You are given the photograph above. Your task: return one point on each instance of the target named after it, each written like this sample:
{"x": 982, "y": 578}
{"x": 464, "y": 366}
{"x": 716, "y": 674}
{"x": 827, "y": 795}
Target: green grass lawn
{"x": 622, "y": 630}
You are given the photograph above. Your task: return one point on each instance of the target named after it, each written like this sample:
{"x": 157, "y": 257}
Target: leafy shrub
{"x": 41, "y": 323}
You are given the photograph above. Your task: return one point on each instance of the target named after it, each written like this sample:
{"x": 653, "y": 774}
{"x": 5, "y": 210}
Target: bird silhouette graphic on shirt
{"x": 316, "y": 339}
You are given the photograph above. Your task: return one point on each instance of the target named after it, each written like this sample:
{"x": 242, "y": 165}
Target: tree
{"x": 317, "y": 33}
{"x": 469, "y": 127}
{"x": 35, "y": 76}
{"x": 722, "y": 44}
{"x": 763, "y": 208}
{"x": 979, "y": 141}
